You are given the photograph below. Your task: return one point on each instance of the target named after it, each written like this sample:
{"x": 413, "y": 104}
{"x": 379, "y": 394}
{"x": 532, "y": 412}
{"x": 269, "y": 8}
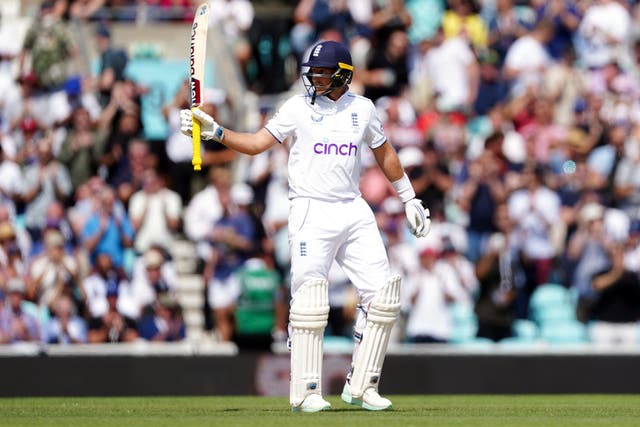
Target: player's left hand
{"x": 210, "y": 129}
{"x": 418, "y": 217}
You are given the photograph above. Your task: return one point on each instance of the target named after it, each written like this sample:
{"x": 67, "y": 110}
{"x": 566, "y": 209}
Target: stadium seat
{"x": 525, "y": 330}
{"x": 565, "y": 333}
{"x": 465, "y": 323}
{"x": 549, "y": 294}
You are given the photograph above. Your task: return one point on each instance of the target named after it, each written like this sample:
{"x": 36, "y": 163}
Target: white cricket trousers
{"x": 320, "y": 231}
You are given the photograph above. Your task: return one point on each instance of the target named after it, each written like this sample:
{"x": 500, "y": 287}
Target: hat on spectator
{"x": 410, "y": 156}
{"x": 6, "y": 231}
{"x": 53, "y": 238}
{"x": 15, "y": 284}
{"x": 153, "y": 258}
{"x": 167, "y": 300}
{"x": 241, "y": 193}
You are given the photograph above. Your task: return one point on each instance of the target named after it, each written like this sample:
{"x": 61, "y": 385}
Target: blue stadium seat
{"x": 565, "y": 333}
{"x": 465, "y": 323}
{"x": 525, "y": 330}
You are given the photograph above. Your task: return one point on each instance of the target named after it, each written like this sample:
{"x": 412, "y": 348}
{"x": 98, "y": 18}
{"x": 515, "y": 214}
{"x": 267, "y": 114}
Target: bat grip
{"x": 196, "y": 160}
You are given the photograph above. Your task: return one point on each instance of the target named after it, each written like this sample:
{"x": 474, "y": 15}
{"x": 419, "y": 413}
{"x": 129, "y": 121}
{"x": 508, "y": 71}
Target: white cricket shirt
{"x": 327, "y": 139}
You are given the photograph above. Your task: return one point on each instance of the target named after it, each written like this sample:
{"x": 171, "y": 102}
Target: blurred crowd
{"x": 518, "y": 123}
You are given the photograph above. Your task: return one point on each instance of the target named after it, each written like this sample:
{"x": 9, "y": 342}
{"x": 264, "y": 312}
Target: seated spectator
{"x": 205, "y": 209}
{"x": 108, "y": 230}
{"x": 19, "y": 325}
{"x": 10, "y": 182}
{"x": 12, "y": 259}
{"x": 65, "y": 326}
{"x": 107, "y": 323}
{"x": 165, "y": 322}
{"x": 232, "y": 242}
{"x": 155, "y": 213}
{"x": 153, "y": 276}
{"x": 52, "y": 271}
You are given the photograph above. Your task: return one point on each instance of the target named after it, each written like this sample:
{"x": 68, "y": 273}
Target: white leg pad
{"x": 381, "y": 315}
{"x": 308, "y": 318}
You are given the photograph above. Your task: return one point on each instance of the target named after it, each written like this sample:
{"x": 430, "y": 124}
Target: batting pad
{"x": 381, "y": 316}
{"x": 307, "y": 318}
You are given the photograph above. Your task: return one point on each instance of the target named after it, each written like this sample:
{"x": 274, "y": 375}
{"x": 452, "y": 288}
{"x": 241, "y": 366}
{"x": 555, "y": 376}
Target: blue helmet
{"x": 328, "y": 54}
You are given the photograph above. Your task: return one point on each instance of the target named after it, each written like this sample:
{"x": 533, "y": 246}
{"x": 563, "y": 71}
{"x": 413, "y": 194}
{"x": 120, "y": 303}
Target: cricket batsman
{"x": 328, "y": 219}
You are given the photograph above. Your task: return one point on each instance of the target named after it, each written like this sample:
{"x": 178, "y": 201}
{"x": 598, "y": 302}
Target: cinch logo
{"x": 340, "y": 150}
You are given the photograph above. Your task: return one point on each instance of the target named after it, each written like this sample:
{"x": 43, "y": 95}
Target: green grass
{"x": 428, "y": 410}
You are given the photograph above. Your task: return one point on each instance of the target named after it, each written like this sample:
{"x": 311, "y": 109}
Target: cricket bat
{"x": 197, "y": 55}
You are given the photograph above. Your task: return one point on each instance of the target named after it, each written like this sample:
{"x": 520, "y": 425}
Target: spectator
{"x": 617, "y": 309}
{"x": 232, "y": 243}
{"x": 153, "y": 276}
{"x": 388, "y": 17}
{"x": 535, "y": 208}
{"x": 107, "y": 323}
{"x": 205, "y": 209}
{"x": 505, "y": 27}
{"x": 52, "y": 272}
{"x": 113, "y": 62}
{"x": 463, "y": 19}
{"x": 165, "y": 322}
{"x": 430, "y": 294}
{"x": 604, "y": 34}
{"x": 65, "y": 327}
{"x": 82, "y": 147}
{"x": 492, "y": 88}
{"x": 10, "y": 182}
{"x": 255, "y": 315}
{"x": 527, "y": 58}
{"x": 48, "y": 45}
{"x": 500, "y": 278}
{"x": 481, "y": 193}
{"x": 587, "y": 249}
{"x": 155, "y": 213}
{"x": 45, "y": 181}
{"x": 387, "y": 71}
{"x": 108, "y": 230}
{"x": 234, "y": 18}
{"x": 20, "y": 326}
{"x": 565, "y": 17}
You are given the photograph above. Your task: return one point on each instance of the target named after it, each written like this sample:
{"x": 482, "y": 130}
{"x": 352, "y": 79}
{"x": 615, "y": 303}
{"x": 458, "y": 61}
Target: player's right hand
{"x": 210, "y": 129}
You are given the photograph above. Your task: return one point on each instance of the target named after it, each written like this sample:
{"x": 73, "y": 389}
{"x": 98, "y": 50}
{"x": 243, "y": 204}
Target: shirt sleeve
{"x": 374, "y": 134}
{"x": 283, "y": 124}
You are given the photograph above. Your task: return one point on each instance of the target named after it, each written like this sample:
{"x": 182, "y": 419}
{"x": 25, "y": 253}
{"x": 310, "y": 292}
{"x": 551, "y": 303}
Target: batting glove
{"x": 418, "y": 217}
{"x": 209, "y": 128}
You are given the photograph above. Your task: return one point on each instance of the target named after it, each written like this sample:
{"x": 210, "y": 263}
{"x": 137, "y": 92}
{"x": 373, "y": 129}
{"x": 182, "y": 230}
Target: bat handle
{"x": 196, "y": 160}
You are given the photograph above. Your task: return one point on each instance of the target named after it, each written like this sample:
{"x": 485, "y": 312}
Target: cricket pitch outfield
{"x": 425, "y": 410}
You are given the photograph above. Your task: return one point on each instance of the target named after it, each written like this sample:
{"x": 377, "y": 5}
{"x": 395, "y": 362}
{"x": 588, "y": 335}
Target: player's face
{"x": 321, "y": 78}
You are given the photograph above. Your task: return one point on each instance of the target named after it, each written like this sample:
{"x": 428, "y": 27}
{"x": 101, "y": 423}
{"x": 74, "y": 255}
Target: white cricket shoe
{"x": 312, "y": 403}
{"x": 370, "y": 399}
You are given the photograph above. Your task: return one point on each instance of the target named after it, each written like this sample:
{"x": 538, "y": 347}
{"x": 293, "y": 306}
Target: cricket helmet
{"x": 328, "y": 54}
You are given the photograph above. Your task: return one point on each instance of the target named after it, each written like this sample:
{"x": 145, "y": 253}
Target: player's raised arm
{"x": 418, "y": 216}
{"x": 242, "y": 142}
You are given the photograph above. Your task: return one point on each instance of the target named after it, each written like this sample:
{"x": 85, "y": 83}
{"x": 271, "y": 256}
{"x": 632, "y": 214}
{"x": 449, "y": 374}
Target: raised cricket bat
{"x": 197, "y": 55}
